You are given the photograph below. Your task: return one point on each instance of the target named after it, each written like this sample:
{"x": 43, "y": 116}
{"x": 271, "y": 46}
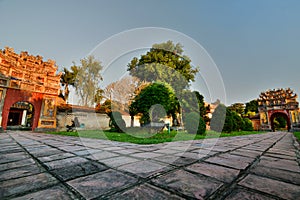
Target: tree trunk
{"x": 132, "y": 120}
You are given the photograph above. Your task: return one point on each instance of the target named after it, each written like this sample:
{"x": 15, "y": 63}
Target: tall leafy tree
{"x": 164, "y": 62}
{"x": 67, "y": 78}
{"x": 88, "y": 80}
{"x": 238, "y": 108}
{"x": 121, "y": 91}
{"x": 252, "y": 106}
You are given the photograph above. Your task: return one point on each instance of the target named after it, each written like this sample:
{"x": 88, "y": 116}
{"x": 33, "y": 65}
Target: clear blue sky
{"x": 255, "y": 43}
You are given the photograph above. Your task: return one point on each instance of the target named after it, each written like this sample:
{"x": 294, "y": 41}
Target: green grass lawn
{"x": 297, "y": 135}
{"x": 143, "y": 137}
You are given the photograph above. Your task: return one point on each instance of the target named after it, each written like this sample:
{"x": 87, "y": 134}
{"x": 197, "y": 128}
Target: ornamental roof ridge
{"x": 10, "y": 53}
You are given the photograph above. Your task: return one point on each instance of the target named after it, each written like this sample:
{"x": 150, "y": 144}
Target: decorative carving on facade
{"x": 27, "y": 78}
{"x": 28, "y": 72}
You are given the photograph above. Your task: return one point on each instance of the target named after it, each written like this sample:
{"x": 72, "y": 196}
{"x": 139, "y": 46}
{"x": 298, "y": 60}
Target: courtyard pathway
{"x": 42, "y": 166}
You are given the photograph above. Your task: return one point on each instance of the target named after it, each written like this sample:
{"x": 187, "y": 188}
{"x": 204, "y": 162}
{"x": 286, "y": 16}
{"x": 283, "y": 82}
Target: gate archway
{"x": 278, "y": 114}
{"x": 279, "y": 102}
{"x": 20, "y": 116}
{"x": 28, "y": 78}
{"x": 11, "y": 105}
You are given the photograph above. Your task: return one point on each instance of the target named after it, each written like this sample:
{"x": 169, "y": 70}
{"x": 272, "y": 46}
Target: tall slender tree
{"x": 88, "y": 80}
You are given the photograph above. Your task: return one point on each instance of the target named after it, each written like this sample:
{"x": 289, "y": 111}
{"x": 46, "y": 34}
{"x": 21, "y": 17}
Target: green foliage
{"x": 238, "y": 108}
{"x": 165, "y": 63}
{"x": 218, "y": 118}
{"x": 229, "y": 123}
{"x": 297, "y": 135}
{"x": 88, "y": 80}
{"x": 192, "y": 101}
{"x": 247, "y": 125}
{"x": 105, "y": 107}
{"x": 251, "y": 106}
{"x": 201, "y": 104}
{"x": 98, "y": 96}
{"x": 238, "y": 122}
{"x": 250, "y": 114}
{"x": 232, "y": 121}
{"x": 194, "y": 123}
{"x": 280, "y": 122}
{"x": 150, "y": 97}
{"x": 117, "y": 124}
{"x": 67, "y": 78}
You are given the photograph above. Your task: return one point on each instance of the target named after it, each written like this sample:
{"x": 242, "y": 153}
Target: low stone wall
{"x": 88, "y": 120}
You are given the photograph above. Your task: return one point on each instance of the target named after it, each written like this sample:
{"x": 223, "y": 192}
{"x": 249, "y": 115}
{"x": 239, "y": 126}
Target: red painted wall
{"x": 14, "y": 96}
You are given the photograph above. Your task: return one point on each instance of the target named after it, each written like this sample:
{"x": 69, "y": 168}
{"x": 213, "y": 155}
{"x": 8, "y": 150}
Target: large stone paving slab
{"x": 189, "y": 184}
{"x": 102, "y": 155}
{"x": 147, "y": 155}
{"x": 10, "y": 157}
{"x": 242, "y": 194}
{"x": 247, "y": 153}
{"x": 193, "y": 155}
{"x": 98, "y": 184}
{"x": 231, "y": 160}
{"x": 20, "y": 172}
{"x": 288, "y": 176}
{"x": 263, "y": 166}
{"x": 17, "y": 186}
{"x": 271, "y": 186}
{"x": 10, "y": 149}
{"x": 16, "y": 164}
{"x": 118, "y": 161}
{"x": 145, "y": 191}
{"x": 145, "y": 168}
{"x": 77, "y": 170}
{"x": 223, "y": 174}
{"x": 58, "y": 156}
{"x": 56, "y": 192}
{"x": 67, "y": 162}
{"x": 175, "y": 160}
{"x": 278, "y": 163}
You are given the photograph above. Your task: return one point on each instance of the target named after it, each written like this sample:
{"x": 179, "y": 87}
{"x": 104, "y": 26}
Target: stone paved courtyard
{"x": 42, "y": 166}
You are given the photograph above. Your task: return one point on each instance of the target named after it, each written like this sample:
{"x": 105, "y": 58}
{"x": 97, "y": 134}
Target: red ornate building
{"x": 29, "y": 89}
{"x": 280, "y": 102}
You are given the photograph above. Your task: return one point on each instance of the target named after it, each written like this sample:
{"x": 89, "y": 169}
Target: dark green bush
{"x": 238, "y": 122}
{"x": 194, "y": 123}
{"x": 229, "y": 123}
{"x": 247, "y": 125}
